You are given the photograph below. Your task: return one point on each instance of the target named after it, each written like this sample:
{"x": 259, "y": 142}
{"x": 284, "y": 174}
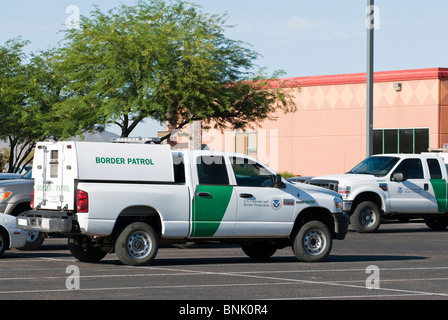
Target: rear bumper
{"x": 47, "y": 221}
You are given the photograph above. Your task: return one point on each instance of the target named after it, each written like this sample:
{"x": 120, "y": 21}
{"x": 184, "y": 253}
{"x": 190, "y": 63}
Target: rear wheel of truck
{"x": 312, "y": 242}
{"x": 137, "y": 244}
{"x": 260, "y": 250}
{"x": 366, "y": 217}
{"x": 85, "y": 249}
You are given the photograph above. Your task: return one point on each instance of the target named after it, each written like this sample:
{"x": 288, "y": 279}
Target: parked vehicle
{"x": 15, "y": 199}
{"x": 15, "y": 194}
{"x": 124, "y": 198}
{"x": 299, "y": 179}
{"x": 10, "y": 235}
{"x": 394, "y": 186}
{"x": 9, "y": 176}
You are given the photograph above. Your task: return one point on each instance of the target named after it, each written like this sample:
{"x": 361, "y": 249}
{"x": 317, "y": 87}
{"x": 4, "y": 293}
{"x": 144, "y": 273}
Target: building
{"x": 327, "y": 133}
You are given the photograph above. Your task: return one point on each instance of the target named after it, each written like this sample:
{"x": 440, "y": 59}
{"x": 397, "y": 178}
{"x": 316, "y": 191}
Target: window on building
{"x": 421, "y": 140}
{"x": 246, "y": 143}
{"x": 390, "y": 141}
{"x": 400, "y": 140}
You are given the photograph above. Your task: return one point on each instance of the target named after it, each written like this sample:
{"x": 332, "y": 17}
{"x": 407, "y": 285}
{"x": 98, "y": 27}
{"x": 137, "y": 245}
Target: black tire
{"x": 84, "y": 249}
{"x": 260, "y": 250}
{"x": 137, "y": 244}
{"x": 35, "y": 238}
{"x": 436, "y": 223}
{"x": 4, "y": 241}
{"x": 366, "y": 217}
{"x": 312, "y": 242}
{"x": 33, "y": 241}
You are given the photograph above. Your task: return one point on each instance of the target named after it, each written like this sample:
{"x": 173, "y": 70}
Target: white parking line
{"x": 272, "y": 280}
{"x": 330, "y": 283}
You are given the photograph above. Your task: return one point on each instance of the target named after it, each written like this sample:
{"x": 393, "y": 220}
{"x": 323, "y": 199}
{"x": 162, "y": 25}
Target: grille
{"x": 327, "y": 184}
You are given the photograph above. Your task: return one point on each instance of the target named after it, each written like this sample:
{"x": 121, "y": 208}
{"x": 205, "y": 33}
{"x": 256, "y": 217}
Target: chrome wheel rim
{"x": 139, "y": 245}
{"x": 314, "y": 242}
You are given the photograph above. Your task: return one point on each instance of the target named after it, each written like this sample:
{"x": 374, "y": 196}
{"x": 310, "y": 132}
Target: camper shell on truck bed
{"x": 60, "y": 166}
{"x": 124, "y": 198}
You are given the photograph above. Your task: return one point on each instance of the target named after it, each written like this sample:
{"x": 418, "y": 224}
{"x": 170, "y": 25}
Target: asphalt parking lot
{"x": 399, "y": 262}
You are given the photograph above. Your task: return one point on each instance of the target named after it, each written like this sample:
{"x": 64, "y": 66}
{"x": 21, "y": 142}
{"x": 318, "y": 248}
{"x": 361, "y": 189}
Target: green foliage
{"x": 4, "y": 158}
{"x": 14, "y": 86}
{"x": 165, "y": 60}
{"x": 27, "y": 93}
{"x": 287, "y": 175}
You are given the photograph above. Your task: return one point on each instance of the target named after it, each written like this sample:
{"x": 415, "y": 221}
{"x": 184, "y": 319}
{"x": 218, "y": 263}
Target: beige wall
{"x": 443, "y": 116}
{"x": 326, "y": 134}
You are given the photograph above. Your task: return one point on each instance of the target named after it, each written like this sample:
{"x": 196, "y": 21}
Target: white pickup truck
{"x": 125, "y": 198}
{"x": 394, "y": 186}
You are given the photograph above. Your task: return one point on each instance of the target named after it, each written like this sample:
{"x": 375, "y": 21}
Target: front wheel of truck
{"x": 366, "y": 217}
{"x": 85, "y": 249}
{"x": 312, "y": 242}
{"x": 137, "y": 244}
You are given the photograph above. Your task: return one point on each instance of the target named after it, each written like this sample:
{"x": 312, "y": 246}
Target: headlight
{"x": 5, "y": 195}
{"x": 338, "y": 204}
{"x": 344, "y": 190}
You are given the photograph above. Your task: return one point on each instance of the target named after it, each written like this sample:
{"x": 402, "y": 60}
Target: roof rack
{"x": 144, "y": 140}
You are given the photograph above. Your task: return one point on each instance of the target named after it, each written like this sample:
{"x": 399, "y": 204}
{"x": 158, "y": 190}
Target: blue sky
{"x": 301, "y": 37}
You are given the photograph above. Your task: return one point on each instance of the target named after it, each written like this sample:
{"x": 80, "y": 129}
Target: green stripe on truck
{"x": 440, "y": 192}
{"x": 209, "y": 211}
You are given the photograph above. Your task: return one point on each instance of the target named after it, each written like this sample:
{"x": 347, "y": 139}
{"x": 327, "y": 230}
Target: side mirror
{"x": 397, "y": 176}
{"x": 278, "y": 183}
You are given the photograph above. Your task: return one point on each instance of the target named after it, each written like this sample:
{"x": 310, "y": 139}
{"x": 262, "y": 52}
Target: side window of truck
{"x": 251, "y": 174}
{"x": 212, "y": 170}
{"x": 434, "y": 169}
{"x": 179, "y": 168}
{"x": 411, "y": 169}
{"x": 179, "y": 173}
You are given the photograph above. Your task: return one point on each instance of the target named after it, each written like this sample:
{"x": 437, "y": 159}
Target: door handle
{"x": 426, "y": 187}
{"x": 245, "y": 195}
{"x": 203, "y": 194}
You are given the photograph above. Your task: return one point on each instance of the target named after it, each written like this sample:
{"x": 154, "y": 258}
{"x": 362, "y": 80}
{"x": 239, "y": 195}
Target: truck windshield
{"x": 378, "y": 166}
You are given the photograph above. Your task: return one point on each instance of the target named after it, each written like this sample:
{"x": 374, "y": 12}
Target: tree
{"x": 13, "y": 88}
{"x": 164, "y": 60}
{"x": 27, "y": 94}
